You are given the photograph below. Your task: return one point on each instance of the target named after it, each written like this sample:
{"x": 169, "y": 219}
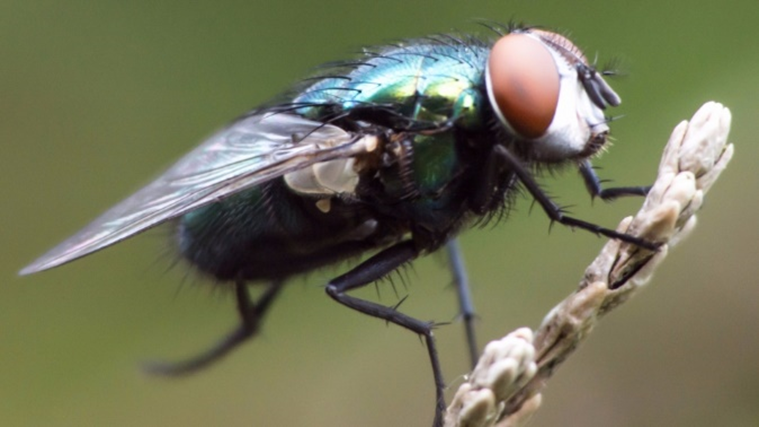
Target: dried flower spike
{"x": 504, "y": 389}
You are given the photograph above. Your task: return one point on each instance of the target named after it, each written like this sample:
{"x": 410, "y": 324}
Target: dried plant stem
{"x": 504, "y": 388}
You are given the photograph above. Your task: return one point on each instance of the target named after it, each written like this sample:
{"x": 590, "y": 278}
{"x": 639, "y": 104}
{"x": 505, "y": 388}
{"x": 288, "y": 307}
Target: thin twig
{"x": 504, "y": 388}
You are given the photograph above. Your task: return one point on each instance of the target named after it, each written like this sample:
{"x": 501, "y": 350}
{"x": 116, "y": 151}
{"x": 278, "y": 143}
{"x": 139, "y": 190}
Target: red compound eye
{"x": 524, "y": 83}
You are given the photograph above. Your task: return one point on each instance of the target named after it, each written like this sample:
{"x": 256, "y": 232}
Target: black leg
{"x": 251, "y": 316}
{"x": 466, "y": 306}
{"x": 553, "y": 211}
{"x": 593, "y": 184}
{"x": 487, "y": 195}
{"x": 371, "y": 270}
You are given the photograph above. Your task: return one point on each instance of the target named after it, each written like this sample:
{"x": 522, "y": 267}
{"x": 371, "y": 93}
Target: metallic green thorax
{"x": 432, "y": 84}
{"x": 426, "y": 82}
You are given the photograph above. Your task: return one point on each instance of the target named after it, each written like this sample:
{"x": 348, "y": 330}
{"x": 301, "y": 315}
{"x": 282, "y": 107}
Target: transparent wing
{"x": 251, "y": 151}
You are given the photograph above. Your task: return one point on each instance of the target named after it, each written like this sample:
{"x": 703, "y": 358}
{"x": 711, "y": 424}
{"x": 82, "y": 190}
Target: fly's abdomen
{"x": 428, "y": 82}
{"x": 268, "y": 233}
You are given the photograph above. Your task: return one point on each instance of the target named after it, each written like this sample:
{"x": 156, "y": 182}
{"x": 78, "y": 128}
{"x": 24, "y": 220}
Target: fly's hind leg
{"x": 251, "y": 317}
{"x": 374, "y": 269}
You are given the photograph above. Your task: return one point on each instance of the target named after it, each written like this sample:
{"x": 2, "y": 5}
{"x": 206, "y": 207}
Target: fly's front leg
{"x": 374, "y": 269}
{"x": 593, "y": 184}
{"x": 466, "y": 306}
{"x": 251, "y": 317}
{"x": 554, "y": 211}
{"x": 487, "y": 195}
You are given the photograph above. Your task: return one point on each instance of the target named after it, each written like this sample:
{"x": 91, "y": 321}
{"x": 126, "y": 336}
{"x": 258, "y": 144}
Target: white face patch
{"x": 577, "y": 119}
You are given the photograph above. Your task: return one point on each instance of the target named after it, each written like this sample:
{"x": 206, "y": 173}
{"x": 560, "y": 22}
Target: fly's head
{"x": 548, "y": 96}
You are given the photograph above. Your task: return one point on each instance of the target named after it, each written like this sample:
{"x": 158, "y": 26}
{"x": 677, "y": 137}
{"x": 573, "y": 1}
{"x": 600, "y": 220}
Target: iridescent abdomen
{"x": 268, "y": 233}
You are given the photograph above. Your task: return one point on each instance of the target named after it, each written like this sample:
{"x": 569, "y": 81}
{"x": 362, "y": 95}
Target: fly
{"x": 389, "y": 155}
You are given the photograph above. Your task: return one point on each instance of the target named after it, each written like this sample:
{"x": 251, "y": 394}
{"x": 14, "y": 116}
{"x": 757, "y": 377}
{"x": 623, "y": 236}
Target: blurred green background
{"x": 97, "y": 97}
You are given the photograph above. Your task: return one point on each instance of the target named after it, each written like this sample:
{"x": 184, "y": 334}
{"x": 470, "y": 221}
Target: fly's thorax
{"x": 547, "y": 96}
{"x": 467, "y": 110}
{"x": 427, "y": 82}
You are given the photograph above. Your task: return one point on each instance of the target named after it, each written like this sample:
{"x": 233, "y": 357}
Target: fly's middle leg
{"x": 466, "y": 306}
{"x": 374, "y": 269}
